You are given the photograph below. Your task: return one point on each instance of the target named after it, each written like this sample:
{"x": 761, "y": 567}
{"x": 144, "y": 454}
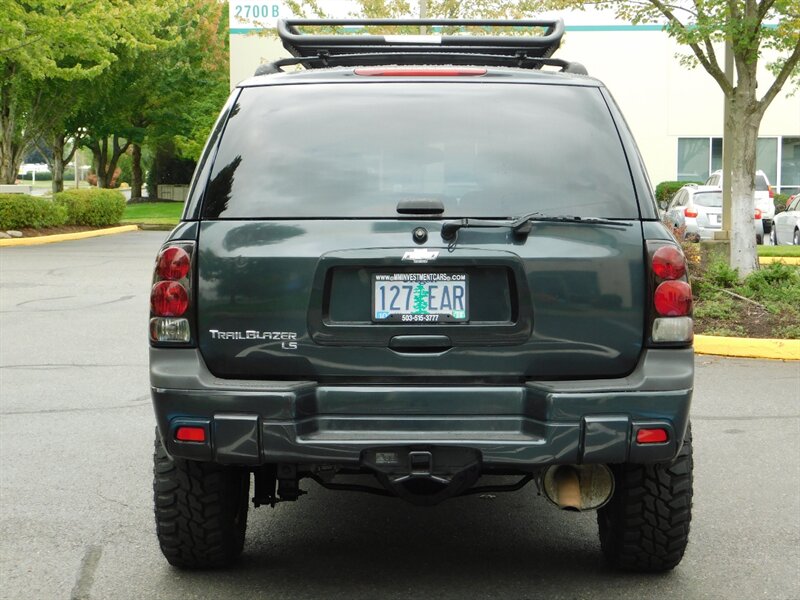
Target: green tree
{"x": 51, "y": 41}
{"x": 185, "y": 87}
{"x": 752, "y": 28}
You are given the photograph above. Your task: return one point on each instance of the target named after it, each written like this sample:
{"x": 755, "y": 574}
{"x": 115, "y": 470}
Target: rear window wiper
{"x": 522, "y": 225}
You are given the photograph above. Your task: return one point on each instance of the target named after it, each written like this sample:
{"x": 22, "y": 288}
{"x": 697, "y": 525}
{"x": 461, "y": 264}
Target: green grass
{"x": 779, "y": 250}
{"x": 153, "y": 213}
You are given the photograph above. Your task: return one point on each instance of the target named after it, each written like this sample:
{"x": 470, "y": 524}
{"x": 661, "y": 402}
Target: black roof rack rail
{"x": 412, "y": 58}
{"x": 528, "y": 46}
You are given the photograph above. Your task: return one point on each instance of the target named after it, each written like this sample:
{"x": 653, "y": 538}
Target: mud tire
{"x": 200, "y": 510}
{"x": 645, "y": 526}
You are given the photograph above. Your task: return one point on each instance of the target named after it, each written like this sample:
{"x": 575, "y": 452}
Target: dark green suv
{"x": 423, "y": 266}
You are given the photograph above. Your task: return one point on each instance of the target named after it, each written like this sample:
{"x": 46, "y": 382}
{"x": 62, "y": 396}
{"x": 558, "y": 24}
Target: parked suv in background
{"x": 763, "y": 197}
{"x": 697, "y": 210}
{"x": 387, "y": 279}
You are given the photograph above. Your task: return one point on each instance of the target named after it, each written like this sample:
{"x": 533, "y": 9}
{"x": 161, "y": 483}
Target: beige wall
{"x": 661, "y": 100}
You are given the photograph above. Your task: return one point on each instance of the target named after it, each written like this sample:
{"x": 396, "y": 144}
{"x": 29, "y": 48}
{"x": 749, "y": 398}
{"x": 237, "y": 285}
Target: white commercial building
{"x": 675, "y": 113}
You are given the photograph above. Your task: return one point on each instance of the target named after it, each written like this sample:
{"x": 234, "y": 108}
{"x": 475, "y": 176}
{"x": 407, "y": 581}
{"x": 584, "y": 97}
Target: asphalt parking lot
{"x": 76, "y": 433}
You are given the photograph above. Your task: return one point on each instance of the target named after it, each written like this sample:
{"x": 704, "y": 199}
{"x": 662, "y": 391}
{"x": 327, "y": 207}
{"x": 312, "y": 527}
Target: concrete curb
{"x": 747, "y": 347}
{"x": 63, "y": 237}
{"x": 787, "y": 260}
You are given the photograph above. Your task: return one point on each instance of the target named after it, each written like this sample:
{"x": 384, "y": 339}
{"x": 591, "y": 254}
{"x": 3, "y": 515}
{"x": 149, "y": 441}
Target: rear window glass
{"x": 708, "y": 199}
{"x": 357, "y": 150}
{"x": 761, "y": 184}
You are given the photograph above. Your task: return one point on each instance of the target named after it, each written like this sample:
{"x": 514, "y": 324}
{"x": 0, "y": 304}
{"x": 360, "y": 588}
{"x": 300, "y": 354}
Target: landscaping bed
{"x": 765, "y": 305}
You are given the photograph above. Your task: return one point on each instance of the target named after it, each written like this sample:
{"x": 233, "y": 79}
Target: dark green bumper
{"x": 516, "y": 427}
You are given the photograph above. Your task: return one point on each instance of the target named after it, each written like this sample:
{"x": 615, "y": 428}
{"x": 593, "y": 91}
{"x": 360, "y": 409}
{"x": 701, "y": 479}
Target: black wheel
{"x": 759, "y": 240}
{"x": 645, "y": 526}
{"x": 773, "y": 236}
{"x": 201, "y": 510}
{"x": 796, "y": 238}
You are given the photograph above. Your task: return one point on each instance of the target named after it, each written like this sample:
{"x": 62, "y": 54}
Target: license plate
{"x": 419, "y": 297}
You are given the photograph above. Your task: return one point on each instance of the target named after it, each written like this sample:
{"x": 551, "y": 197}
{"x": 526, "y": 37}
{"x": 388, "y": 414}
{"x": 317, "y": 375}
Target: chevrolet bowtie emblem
{"x": 420, "y": 255}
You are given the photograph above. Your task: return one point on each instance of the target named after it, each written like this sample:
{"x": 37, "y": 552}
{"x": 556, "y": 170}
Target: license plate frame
{"x": 455, "y": 282}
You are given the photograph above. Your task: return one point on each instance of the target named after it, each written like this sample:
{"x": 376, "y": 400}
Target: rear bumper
{"x": 516, "y": 427}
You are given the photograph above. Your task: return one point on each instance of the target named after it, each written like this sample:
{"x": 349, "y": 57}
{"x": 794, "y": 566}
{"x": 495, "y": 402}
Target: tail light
{"x": 689, "y": 212}
{"x": 771, "y": 191}
{"x": 670, "y": 319}
{"x": 171, "y": 295}
{"x": 758, "y": 213}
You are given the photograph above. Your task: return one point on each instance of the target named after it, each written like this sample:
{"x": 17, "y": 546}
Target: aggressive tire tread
{"x": 645, "y": 527}
{"x": 200, "y": 510}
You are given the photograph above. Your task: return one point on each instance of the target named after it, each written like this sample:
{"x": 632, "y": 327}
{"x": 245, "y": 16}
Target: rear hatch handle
{"x": 420, "y": 206}
{"x": 420, "y": 343}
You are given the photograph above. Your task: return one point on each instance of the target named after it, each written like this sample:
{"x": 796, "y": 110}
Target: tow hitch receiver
{"x": 424, "y": 475}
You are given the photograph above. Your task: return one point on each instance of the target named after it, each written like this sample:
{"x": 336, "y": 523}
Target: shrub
{"x": 666, "y": 189}
{"x": 775, "y": 281}
{"x": 720, "y": 274}
{"x": 780, "y": 201}
{"x": 92, "y": 207}
{"x": 20, "y": 210}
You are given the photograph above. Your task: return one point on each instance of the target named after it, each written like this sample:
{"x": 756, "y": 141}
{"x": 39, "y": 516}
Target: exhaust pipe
{"x": 578, "y": 487}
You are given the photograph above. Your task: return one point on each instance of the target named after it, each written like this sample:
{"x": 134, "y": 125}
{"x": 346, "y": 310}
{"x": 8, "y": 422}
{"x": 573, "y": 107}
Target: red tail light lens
{"x": 169, "y": 299}
{"x": 673, "y": 299}
{"x": 771, "y": 191}
{"x": 651, "y": 436}
{"x": 173, "y": 264}
{"x": 689, "y": 212}
{"x": 193, "y": 434}
{"x": 758, "y": 213}
{"x": 669, "y": 263}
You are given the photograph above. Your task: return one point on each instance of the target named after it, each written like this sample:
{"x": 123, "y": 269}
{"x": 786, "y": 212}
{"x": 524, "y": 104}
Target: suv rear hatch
{"x": 321, "y": 254}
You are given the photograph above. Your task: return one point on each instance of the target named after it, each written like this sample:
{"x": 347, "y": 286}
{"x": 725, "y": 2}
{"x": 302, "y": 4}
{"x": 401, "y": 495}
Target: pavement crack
{"x": 54, "y": 310}
{"x": 135, "y": 403}
{"x": 112, "y": 500}
{"x": 43, "y": 300}
{"x": 85, "y": 580}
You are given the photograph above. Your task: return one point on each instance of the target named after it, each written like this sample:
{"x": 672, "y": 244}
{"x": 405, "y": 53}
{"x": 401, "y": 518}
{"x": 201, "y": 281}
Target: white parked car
{"x": 763, "y": 197}
{"x": 786, "y": 226}
{"x": 698, "y": 210}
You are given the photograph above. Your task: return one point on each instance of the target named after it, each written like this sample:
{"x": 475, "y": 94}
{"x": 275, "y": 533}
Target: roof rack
{"x": 319, "y": 51}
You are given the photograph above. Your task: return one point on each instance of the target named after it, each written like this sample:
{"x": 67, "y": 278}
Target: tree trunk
{"x": 57, "y": 162}
{"x": 744, "y": 120}
{"x": 105, "y": 165}
{"x": 136, "y": 179}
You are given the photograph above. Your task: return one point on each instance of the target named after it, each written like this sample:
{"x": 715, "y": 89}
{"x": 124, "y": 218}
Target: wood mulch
{"x": 30, "y": 232}
{"x": 750, "y": 321}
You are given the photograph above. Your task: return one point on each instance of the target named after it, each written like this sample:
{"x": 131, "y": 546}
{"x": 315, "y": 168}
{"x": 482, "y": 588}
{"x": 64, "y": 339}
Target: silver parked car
{"x": 698, "y": 209}
{"x": 763, "y": 197}
{"x": 786, "y": 226}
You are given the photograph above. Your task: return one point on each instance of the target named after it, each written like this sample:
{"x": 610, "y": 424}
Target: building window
{"x": 693, "y": 159}
{"x": 767, "y": 158}
{"x": 778, "y": 157}
{"x": 716, "y": 154}
{"x": 790, "y": 165}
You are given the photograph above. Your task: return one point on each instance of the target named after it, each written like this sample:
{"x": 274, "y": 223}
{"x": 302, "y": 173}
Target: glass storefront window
{"x": 716, "y": 154}
{"x": 790, "y": 163}
{"x": 767, "y": 158}
{"x": 693, "y": 159}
